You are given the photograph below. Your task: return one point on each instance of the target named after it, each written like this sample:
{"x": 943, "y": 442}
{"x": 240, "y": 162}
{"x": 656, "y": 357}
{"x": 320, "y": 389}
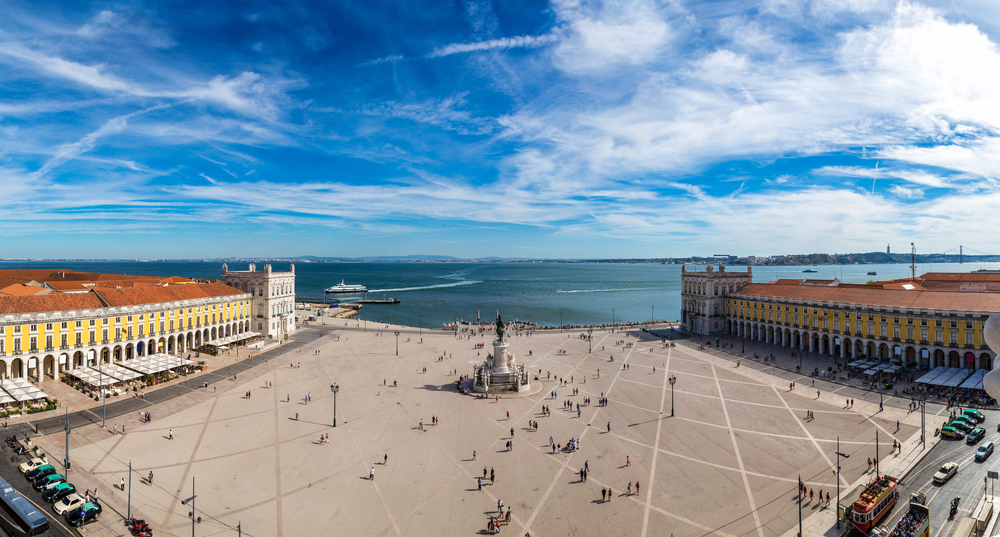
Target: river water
{"x": 432, "y": 294}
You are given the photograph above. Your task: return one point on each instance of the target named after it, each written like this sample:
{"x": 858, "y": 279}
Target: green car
{"x": 962, "y": 425}
{"x": 951, "y": 432}
{"x": 973, "y": 415}
{"x": 976, "y": 435}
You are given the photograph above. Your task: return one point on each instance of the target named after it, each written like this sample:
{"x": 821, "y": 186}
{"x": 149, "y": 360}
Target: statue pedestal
{"x": 500, "y": 373}
{"x": 500, "y": 359}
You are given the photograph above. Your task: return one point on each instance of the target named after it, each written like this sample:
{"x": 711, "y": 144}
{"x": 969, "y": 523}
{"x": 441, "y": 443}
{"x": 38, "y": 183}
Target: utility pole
{"x": 191, "y": 499}
{"x": 923, "y": 423}
{"x": 839, "y": 455}
{"x": 397, "y": 342}
{"x": 104, "y": 395}
{"x": 800, "y": 506}
{"x": 876, "y": 453}
{"x": 130, "y": 490}
{"x": 590, "y": 339}
{"x": 66, "y": 460}
{"x": 672, "y": 380}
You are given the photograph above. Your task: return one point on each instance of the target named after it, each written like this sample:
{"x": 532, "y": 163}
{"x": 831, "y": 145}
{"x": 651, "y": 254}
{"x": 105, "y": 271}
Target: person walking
{"x": 385, "y": 460}
{"x": 609, "y": 426}
{"x": 629, "y": 489}
{"x": 628, "y": 461}
{"x": 473, "y": 454}
{"x": 150, "y": 482}
{"x": 170, "y": 434}
{"x": 636, "y": 488}
{"x": 123, "y": 484}
{"x": 604, "y": 493}
{"x": 492, "y": 475}
{"x": 479, "y": 481}
{"x": 371, "y": 474}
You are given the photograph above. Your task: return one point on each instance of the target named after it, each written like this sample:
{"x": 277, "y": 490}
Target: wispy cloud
{"x": 523, "y": 41}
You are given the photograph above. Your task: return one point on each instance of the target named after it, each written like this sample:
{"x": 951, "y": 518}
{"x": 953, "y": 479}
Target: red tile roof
{"x": 46, "y": 303}
{"x": 873, "y": 296}
{"x": 171, "y": 293}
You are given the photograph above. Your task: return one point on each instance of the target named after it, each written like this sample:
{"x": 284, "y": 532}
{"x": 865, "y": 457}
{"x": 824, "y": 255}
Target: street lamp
{"x": 651, "y": 314}
{"x": 420, "y": 322}
{"x": 590, "y": 340}
{"x": 839, "y": 455}
{"x": 672, "y": 380}
{"x": 397, "y": 342}
{"x": 612, "y": 317}
{"x": 335, "y": 388}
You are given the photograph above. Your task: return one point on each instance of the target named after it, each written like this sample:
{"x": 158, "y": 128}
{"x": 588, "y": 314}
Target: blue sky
{"x": 497, "y": 128}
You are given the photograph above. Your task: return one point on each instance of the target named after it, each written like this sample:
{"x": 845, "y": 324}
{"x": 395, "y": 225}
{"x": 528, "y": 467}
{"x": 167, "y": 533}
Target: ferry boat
{"x": 876, "y": 501}
{"x": 915, "y": 523}
{"x": 342, "y": 288}
{"x": 808, "y": 270}
{"x": 872, "y": 273}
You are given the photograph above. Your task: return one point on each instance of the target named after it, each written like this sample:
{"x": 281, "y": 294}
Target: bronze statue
{"x": 500, "y": 328}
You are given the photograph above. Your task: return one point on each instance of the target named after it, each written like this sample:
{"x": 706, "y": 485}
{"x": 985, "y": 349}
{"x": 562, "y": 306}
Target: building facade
{"x": 933, "y": 320}
{"x": 703, "y": 293}
{"x": 41, "y": 336}
{"x": 273, "y": 297}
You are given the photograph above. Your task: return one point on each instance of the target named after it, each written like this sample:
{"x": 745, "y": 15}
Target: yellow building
{"x": 51, "y": 321}
{"x": 933, "y": 320}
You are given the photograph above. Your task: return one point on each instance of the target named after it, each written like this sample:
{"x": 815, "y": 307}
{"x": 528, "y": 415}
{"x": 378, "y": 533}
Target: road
{"x": 10, "y": 473}
{"x": 967, "y": 483}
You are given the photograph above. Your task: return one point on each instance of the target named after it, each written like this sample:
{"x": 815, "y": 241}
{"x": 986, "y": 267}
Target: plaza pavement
{"x": 727, "y": 463}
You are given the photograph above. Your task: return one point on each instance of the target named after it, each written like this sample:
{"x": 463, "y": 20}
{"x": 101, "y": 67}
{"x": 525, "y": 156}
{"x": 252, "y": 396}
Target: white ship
{"x": 342, "y": 288}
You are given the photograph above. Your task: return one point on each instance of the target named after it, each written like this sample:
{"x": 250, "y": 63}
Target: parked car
{"x": 984, "y": 451}
{"x": 962, "y": 425}
{"x": 947, "y": 470}
{"x": 951, "y": 432}
{"x": 41, "y": 471}
{"x": 976, "y": 435}
{"x": 974, "y": 415}
{"x": 31, "y": 465}
{"x": 68, "y": 504}
{"x": 59, "y": 491}
{"x": 47, "y": 482}
{"x": 87, "y": 512}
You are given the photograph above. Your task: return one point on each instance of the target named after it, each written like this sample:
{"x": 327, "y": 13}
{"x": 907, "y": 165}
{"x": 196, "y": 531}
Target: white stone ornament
{"x": 991, "y": 332}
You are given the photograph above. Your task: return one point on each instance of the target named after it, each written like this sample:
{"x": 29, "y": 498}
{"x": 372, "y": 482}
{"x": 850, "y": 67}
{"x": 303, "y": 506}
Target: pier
{"x": 351, "y": 300}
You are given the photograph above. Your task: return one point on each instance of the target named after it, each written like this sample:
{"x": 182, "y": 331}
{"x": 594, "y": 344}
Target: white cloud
{"x": 522, "y": 41}
{"x": 108, "y": 24}
{"x": 906, "y": 193}
{"x": 619, "y": 34}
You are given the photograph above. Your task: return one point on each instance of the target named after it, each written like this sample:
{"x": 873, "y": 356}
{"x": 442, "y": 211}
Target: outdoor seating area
{"x": 121, "y": 376}
{"x": 215, "y": 346}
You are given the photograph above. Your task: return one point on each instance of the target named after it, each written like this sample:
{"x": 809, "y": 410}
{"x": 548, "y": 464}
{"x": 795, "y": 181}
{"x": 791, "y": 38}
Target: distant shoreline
{"x": 783, "y": 261}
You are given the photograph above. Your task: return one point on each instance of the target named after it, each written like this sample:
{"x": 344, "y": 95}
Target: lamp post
{"x": 104, "y": 396}
{"x": 672, "y": 380}
{"x": 590, "y": 340}
{"x": 397, "y": 342}
{"x": 191, "y": 499}
{"x": 839, "y": 455}
{"x": 612, "y": 317}
{"x": 420, "y": 322}
{"x": 923, "y": 427}
{"x": 651, "y": 314}
{"x": 335, "y": 388}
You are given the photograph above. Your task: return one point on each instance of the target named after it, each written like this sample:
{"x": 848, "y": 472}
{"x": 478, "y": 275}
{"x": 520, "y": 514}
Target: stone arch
{"x": 129, "y": 351}
{"x": 161, "y": 345}
{"x": 77, "y": 360}
{"x": 204, "y": 338}
{"x": 105, "y": 354}
{"x": 117, "y": 353}
{"x": 3, "y": 369}
{"x": 985, "y": 362}
{"x": 171, "y": 345}
{"x": 17, "y": 368}
{"x": 213, "y": 334}
{"x": 190, "y": 340}
{"x": 151, "y": 347}
{"x": 197, "y": 338}
{"x": 939, "y": 358}
{"x": 848, "y": 347}
{"x": 48, "y": 366}
{"x": 924, "y": 358}
{"x": 954, "y": 360}
{"x": 909, "y": 356}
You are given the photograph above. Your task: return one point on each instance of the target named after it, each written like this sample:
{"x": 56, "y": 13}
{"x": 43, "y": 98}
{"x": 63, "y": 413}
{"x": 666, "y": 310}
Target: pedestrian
{"x": 810, "y": 495}
{"x": 628, "y": 461}
{"x": 609, "y": 426}
{"x": 484, "y": 472}
{"x": 150, "y": 477}
{"x": 296, "y": 416}
{"x": 492, "y": 475}
{"x": 508, "y": 415}
{"x": 170, "y": 434}
{"x": 123, "y": 484}
{"x": 637, "y": 488}
{"x": 371, "y": 474}
{"x": 473, "y": 454}
{"x": 629, "y": 489}
{"x": 604, "y": 493}
{"x": 385, "y": 460}
{"x": 479, "y": 481}
{"x": 97, "y": 496}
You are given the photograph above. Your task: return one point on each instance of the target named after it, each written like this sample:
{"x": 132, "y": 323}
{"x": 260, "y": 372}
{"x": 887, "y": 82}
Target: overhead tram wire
{"x": 781, "y": 498}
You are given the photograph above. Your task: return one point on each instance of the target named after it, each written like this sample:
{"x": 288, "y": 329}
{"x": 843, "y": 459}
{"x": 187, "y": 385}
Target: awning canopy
{"x": 229, "y": 340}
